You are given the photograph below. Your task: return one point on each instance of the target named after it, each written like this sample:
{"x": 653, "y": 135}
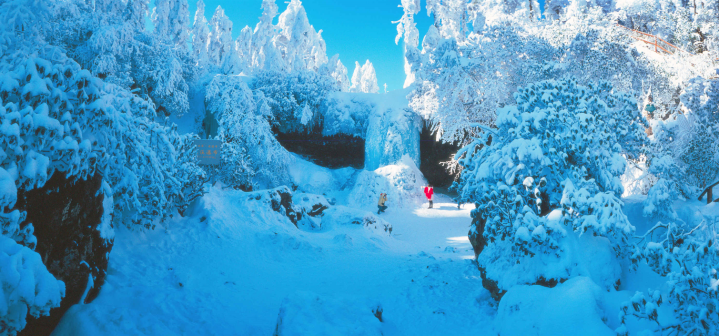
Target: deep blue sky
{"x": 357, "y": 30}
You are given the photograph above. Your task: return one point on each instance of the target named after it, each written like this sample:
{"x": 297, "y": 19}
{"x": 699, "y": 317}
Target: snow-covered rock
{"x": 309, "y": 209}
{"x": 278, "y": 199}
{"x": 344, "y": 216}
{"x": 310, "y": 204}
{"x": 571, "y": 308}
{"x": 75, "y": 240}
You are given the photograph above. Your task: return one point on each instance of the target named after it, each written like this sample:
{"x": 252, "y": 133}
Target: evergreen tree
{"x": 263, "y": 47}
{"x": 172, "y": 21}
{"x": 200, "y": 36}
{"x": 335, "y": 69}
{"x": 221, "y": 44}
{"x": 356, "y": 78}
{"x": 368, "y": 82}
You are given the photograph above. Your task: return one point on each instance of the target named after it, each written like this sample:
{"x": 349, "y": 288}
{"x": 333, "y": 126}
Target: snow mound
{"x": 311, "y": 178}
{"x": 344, "y": 216}
{"x": 26, "y": 286}
{"x": 307, "y": 314}
{"x": 402, "y": 182}
{"x": 571, "y": 308}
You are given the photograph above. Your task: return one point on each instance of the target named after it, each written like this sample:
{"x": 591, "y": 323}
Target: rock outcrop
{"x": 65, "y": 214}
{"x": 279, "y": 200}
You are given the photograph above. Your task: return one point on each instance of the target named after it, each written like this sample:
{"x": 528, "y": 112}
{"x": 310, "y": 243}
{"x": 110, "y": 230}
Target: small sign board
{"x": 208, "y": 151}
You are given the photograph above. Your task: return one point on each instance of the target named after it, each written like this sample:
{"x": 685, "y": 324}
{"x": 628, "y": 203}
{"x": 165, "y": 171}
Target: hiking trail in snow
{"x": 232, "y": 269}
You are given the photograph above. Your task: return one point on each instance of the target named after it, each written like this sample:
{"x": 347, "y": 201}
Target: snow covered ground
{"x": 235, "y": 268}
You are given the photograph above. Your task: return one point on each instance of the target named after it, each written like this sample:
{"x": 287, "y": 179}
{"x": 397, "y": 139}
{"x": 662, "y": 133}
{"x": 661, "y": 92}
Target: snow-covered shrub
{"x": 684, "y": 160}
{"x": 402, "y": 182}
{"x": 691, "y": 26}
{"x": 458, "y": 81}
{"x": 57, "y": 117}
{"x": 686, "y": 144}
{"x": 70, "y": 121}
{"x": 294, "y": 98}
{"x": 249, "y": 146}
{"x": 99, "y": 126}
{"x": 191, "y": 175}
{"x": 347, "y": 114}
{"x": 138, "y": 156}
{"x": 701, "y": 100}
{"x": 109, "y": 38}
{"x": 659, "y": 200}
{"x": 41, "y": 135}
{"x": 561, "y": 148}
{"x": 688, "y": 258}
{"x": 26, "y": 287}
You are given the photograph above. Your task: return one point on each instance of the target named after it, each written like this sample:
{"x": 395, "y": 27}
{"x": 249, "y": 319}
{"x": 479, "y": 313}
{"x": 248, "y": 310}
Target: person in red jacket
{"x": 429, "y": 192}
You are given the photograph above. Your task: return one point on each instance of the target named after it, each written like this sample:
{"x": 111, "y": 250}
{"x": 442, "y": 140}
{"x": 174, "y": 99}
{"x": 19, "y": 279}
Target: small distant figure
{"x": 429, "y": 192}
{"x": 380, "y": 205}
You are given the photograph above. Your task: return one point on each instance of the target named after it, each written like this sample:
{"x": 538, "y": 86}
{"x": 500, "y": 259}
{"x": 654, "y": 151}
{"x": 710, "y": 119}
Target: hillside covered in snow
{"x": 573, "y": 147}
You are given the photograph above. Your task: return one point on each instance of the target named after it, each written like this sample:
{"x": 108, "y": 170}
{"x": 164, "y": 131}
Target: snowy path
{"x": 220, "y": 275}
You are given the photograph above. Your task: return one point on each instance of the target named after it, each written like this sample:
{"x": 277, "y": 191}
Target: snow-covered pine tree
{"x": 161, "y": 18}
{"x": 115, "y": 46}
{"x": 200, "y": 36}
{"x": 233, "y": 64}
{"x": 181, "y": 25}
{"x": 220, "y": 44}
{"x": 356, "y": 84}
{"x": 252, "y": 157}
{"x": 305, "y": 115}
{"x": 407, "y": 29}
{"x": 244, "y": 48}
{"x": 264, "y": 53}
{"x": 368, "y": 82}
{"x": 451, "y": 18}
{"x": 301, "y": 46}
{"x": 135, "y": 13}
{"x": 335, "y": 69}
{"x": 364, "y": 78}
{"x": 172, "y": 21}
